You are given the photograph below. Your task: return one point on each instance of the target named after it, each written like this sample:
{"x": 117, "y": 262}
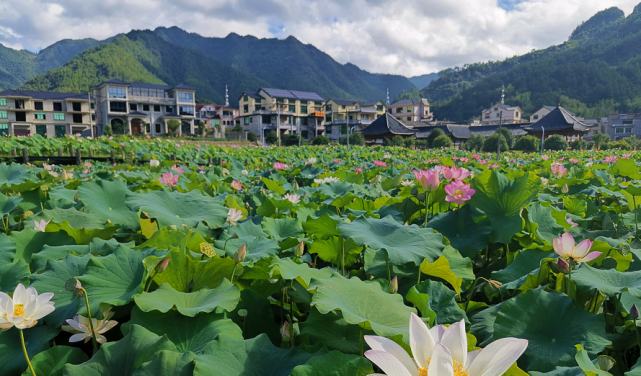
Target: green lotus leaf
{"x": 334, "y": 363}
{"x": 168, "y": 363}
{"x": 526, "y": 262}
{"x": 175, "y": 208}
{"x": 561, "y": 371}
{"x": 106, "y": 200}
{"x": 15, "y": 177}
{"x": 58, "y": 252}
{"x": 322, "y": 227}
{"x": 36, "y": 340}
{"x": 609, "y": 282}
{"x": 281, "y": 228}
{"x": 336, "y": 250}
{"x": 553, "y": 326}
{"x": 466, "y": 229}
{"x": 123, "y": 357}
{"x": 253, "y": 357}
{"x": 165, "y": 298}
{"x": 332, "y": 331}
{"x": 303, "y": 273}
{"x": 546, "y": 226}
{"x": 29, "y": 241}
{"x": 187, "y": 333}
{"x": 627, "y": 168}
{"x": 12, "y": 274}
{"x": 183, "y": 269}
{"x": 257, "y": 316}
{"x": 273, "y": 186}
{"x": 257, "y": 248}
{"x": 335, "y": 189}
{"x": 502, "y": 200}
{"x": 364, "y": 304}
{"x": 436, "y": 302}
{"x": 403, "y": 244}
{"x": 51, "y": 362}
{"x": 63, "y": 194}
{"x": 8, "y": 204}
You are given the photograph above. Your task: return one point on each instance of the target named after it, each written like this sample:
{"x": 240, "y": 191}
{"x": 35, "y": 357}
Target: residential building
{"x": 538, "y": 115}
{"x": 562, "y": 122}
{"x": 212, "y": 114}
{"x": 137, "y": 108}
{"x": 24, "y": 113}
{"x": 284, "y": 111}
{"x": 620, "y": 126}
{"x": 411, "y": 110}
{"x": 341, "y": 113}
{"x": 501, "y": 113}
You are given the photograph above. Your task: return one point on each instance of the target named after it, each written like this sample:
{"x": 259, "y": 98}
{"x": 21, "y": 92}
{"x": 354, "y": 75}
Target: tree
{"x": 475, "y": 142}
{"x": 599, "y": 139}
{"x": 118, "y": 127}
{"x": 422, "y": 144}
{"x": 218, "y": 129}
{"x": 252, "y": 137}
{"x": 509, "y": 137}
{"x": 409, "y": 142}
{"x": 354, "y": 139}
{"x": 289, "y": 140}
{"x": 108, "y": 131}
{"x": 320, "y": 140}
{"x": 271, "y": 138}
{"x": 579, "y": 145}
{"x": 555, "y": 142}
{"x": 200, "y": 126}
{"x": 173, "y": 126}
{"x": 527, "y": 143}
{"x": 396, "y": 141}
{"x": 491, "y": 142}
{"x": 442, "y": 141}
{"x": 433, "y": 134}
{"x": 239, "y": 130}
{"x": 633, "y": 142}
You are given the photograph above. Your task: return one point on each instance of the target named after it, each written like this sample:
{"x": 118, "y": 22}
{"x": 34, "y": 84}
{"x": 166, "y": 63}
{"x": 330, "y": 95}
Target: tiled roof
{"x": 387, "y": 124}
{"x": 503, "y": 106}
{"x": 406, "y": 102}
{"x": 43, "y": 95}
{"x": 558, "y": 119}
{"x": 292, "y": 94}
{"x": 253, "y": 95}
{"x": 465, "y": 131}
{"x": 343, "y": 102}
{"x": 488, "y": 130}
{"x": 368, "y": 104}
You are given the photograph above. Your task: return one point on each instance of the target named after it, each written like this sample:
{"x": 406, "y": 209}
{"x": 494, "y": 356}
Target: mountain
{"x": 16, "y": 67}
{"x": 597, "y": 71}
{"x": 424, "y": 80}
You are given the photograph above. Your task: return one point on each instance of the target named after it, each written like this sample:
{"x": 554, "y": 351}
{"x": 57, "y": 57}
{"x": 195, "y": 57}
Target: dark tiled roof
{"x": 115, "y": 81}
{"x": 343, "y": 102}
{"x": 44, "y": 95}
{"x": 253, "y": 95}
{"x": 291, "y": 94}
{"x": 368, "y": 104}
{"x": 465, "y": 131}
{"x": 387, "y": 124}
{"x": 488, "y": 130}
{"x": 149, "y": 86}
{"x": 425, "y": 131}
{"x": 406, "y": 102}
{"x": 558, "y": 119}
{"x": 185, "y": 87}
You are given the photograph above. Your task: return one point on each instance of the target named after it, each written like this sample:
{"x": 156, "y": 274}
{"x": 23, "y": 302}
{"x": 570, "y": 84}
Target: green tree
{"x": 409, "y": 142}
{"x": 200, "y": 126}
{"x": 271, "y": 138}
{"x": 555, "y": 142}
{"x": 289, "y": 140}
{"x": 252, "y": 137}
{"x": 527, "y": 143}
{"x": 633, "y": 142}
{"x": 442, "y": 141}
{"x": 491, "y": 142}
{"x": 475, "y": 142}
{"x": 173, "y": 126}
{"x": 599, "y": 139}
{"x": 433, "y": 134}
{"x": 320, "y": 140}
{"x": 108, "y": 131}
{"x": 422, "y": 144}
{"x": 397, "y": 141}
{"x": 579, "y": 145}
{"x": 509, "y": 137}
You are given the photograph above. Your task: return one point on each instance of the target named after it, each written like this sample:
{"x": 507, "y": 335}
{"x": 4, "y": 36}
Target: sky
{"x": 406, "y": 37}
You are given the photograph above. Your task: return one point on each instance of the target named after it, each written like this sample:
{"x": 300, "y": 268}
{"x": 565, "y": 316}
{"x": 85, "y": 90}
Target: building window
{"x": 409, "y": 109}
{"x": 58, "y": 116}
{"x": 117, "y": 107}
{"x": 516, "y": 114}
{"x": 57, "y": 106}
{"x": 303, "y": 109}
{"x": 93, "y": 117}
{"x": 158, "y": 131}
{"x": 145, "y": 107}
{"x": 328, "y": 118}
{"x": 3, "y": 102}
{"x": 187, "y": 110}
{"x": 399, "y": 110}
{"x": 156, "y": 108}
{"x": 266, "y": 119}
{"x": 257, "y": 107}
{"x": 496, "y": 109}
{"x": 628, "y": 130}
{"x": 21, "y": 116}
{"x": 38, "y": 106}
{"x": 117, "y": 92}
{"x": 40, "y": 116}
{"x": 4, "y": 115}
{"x": 186, "y": 97}
{"x": 627, "y": 122}
{"x": 329, "y": 130}
{"x": 246, "y": 121}
{"x": 535, "y": 117}
{"x": 133, "y": 107}
{"x": 379, "y": 107}
{"x": 487, "y": 116}
{"x": 292, "y": 108}
{"x": 251, "y": 119}
{"x": 343, "y": 129}
{"x": 169, "y": 109}
{"x": 20, "y": 104}
{"x": 303, "y": 121}
{"x": 328, "y": 108}
{"x": 93, "y": 106}
{"x": 409, "y": 118}
{"x": 246, "y": 108}
{"x": 246, "y": 98}
{"x": 4, "y": 129}
{"x": 77, "y": 118}
{"x": 77, "y": 106}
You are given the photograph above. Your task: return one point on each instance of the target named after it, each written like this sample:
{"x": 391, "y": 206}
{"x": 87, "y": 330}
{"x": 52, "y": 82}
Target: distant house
{"x": 501, "y": 113}
{"x": 212, "y": 114}
{"x": 541, "y": 113}
{"x": 459, "y": 133}
{"x": 562, "y": 122}
{"x": 341, "y": 113}
{"x": 623, "y": 125}
{"x": 411, "y": 110}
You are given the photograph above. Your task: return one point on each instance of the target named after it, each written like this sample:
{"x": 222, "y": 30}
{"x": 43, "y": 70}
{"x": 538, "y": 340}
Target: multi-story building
{"x": 501, "y": 113}
{"x": 411, "y": 110}
{"x": 211, "y": 114}
{"x": 285, "y": 111}
{"x": 342, "y": 113}
{"x": 24, "y": 113}
{"x": 137, "y": 108}
{"x": 620, "y": 126}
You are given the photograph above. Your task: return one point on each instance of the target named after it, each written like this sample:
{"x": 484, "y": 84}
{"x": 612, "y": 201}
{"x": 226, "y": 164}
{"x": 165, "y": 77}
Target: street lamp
{"x": 498, "y": 144}
{"x": 542, "y": 138}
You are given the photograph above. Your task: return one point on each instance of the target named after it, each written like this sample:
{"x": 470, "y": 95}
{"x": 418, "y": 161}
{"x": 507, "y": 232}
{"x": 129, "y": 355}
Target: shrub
{"x": 394, "y": 141}
{"x": 555, "y": 142}
{"x": 289, "y": 140}
{"x": 528, "y": 144}
{"x": 475, "y": 142}
{"x": 118, "y": 128}
{"x": 252, "y": 137}
{"x": 357, "y": 139}
{"x": 421, "y": 144}
{"x": 320, "y": 140}
{"x": 409, "y": 142}
{"x": 620, "y": 144}
{"x": 271, "y": 138}
{"x": 108, "y": 131}
{"x": 442, "y": 141}
{"x": 433, "y": 135}
{"x": 509, "y": 137}
{"x": 579, "y": 145}
{"x": 491, "y": 142}
{"x": 173, "y": 126}
{"x": 599, "y": 139}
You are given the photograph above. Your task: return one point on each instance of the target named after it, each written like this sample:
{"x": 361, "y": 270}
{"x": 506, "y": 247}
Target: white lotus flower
{"x": 25, "y": 308}
{"x": 154, "y": 163}
{"x": 234, "y": 215}
{"x": 293, "y": 198}
{"x": 41, "y": 226}
{"x": 311, "y": 160}
{"x": 244, "y": 172}
{"x": 80, "y": 326}
{"x": 406, "y": 183}
{"x": 442, "y": 351}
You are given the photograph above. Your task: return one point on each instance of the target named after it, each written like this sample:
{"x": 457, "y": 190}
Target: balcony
{"x": 351, "y": 122}
{"x": 317, "y": 114}
{"x": 364, "y": 110}
{"x": 152, "y": 100}
{"x": 269, "y": 112}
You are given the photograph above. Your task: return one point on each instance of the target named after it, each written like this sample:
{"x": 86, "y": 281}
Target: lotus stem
{"x": 233, "y": 272}
{"x": 427, "y": 203}
{"x": 389, "y": 275}
{"x": 360, "y": 341}
{"x": 93, "y": 333}
{"x": 636, "y": 329}
{"x": 469, "y": 297}
{"x": 26, "y": 356}
{"x": 636, "y": 224}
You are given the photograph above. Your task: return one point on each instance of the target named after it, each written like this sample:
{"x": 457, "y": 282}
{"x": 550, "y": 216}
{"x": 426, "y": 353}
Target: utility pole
{"x": 278, "y": 121}
{"x": 90, "y": 116}
{"x": 347, "y": 125}
{"x": 542, "y": 138}
{"x": 298, "y": 130}
{"x": 498, "y": 145}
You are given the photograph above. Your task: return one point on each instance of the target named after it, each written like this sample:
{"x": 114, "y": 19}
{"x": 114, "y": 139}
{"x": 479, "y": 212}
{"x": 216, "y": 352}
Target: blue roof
{"x": 43, "y": 95}
{"x": 147, "y": 86}
{"x": 291, "y": 94}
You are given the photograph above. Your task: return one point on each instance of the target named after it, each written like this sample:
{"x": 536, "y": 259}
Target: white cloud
{"x": 407, "y": 37}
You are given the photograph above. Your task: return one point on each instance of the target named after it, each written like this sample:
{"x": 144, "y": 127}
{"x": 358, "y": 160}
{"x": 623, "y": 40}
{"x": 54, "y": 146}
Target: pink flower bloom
{"x": 178, "y": 169}
{"x": 463, "y": 159}
{"x": 122, "y": 144}
{"x": 571, "y": 222}
{"x": 236, "y": 185}
{"x": 565, "y": 247}
{"x": 495, "y": 166}
{"x": 611, "y": 159}
{"x": 429, "y": 179}
{"x": 573, "y": 160}
{"x": 86, "y": 172}
{"x": 380, "y": 164}
{"x": 280, "y": 166}
{"x": 359, "y": 170}
{"x": 169, "y": 179}
{"x": 148, "y": 136}
{"x": 558, "y": 170}
{"x": 458, "y": 192}
{"x": 111, "y": 137}
{"x": 455, "y": 174}
{"x": 476, "y": 156}
{"x": 545, "y": 157}
{"x": 337, "y": 161}
{"x": 626, "y": 156}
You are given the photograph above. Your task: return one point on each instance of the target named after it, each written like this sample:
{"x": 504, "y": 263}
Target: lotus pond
{"x": 321, "y": 261}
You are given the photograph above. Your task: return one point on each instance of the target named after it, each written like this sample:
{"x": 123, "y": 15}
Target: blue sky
{"x": 407, "y": 37}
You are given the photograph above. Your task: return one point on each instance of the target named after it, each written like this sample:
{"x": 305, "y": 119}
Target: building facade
{"x": 411, "y": 110}
{"x": 541, "y": 113}
{"x": 341, "y": 114}
{"x": 137, "y": 108}
{"x": 24, "y": 113}
{"x": 501, "y": 113}
{"x": 620, "y": 126}
{"x": 283, "y": 111}
{"x": 218, "y": 118}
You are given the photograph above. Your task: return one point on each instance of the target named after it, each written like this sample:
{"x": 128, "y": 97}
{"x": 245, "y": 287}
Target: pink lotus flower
{"x": 565, "y": 247}
{"x": 111, "y": 137}
{"x": 573, "y": 160}
{"x": 280, "y": 166}
{"x": 571, "y": 222}
{"x": 169, "y": 179}
{"x": 611, "y": 159}
{"x": 359, "y": 170}
{"x": 148, "y": 136}
{"x": 236, "y": 185}
{"x": 122, "y": 144}
{"x": 495, "y": 166}
{"x": 545, "y": 157}
{"x": 558, "y": 170}
{"x": 476, "y": 156}
{"x": 455, "y": 174}
{"x": 380, "y": 164}
{"x": 178, "y": 169}
{"x": 626, "y": 156}
{"x": 463, "y": 159}
{"x": 458, "y": 192}
{"x": 337, "y": 161}
{"x": 429, "y": 179}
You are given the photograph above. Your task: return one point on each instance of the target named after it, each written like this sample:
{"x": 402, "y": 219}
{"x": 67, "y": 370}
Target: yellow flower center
{"x": 458, "y": 193}
{"x": 18, "y": 310}
{"x": 459, "y": 369}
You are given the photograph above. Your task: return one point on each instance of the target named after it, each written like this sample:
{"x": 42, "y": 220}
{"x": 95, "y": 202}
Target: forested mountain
{"x": 596, "y": 72}
{"x": 423, "y": 80}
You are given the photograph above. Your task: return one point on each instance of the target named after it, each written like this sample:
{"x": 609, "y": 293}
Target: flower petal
{"x": 441, "y": 362}
{"x": 497, "y": 357}
{"x": 567, "y": 243}
{"x": 389, "y": 346}
{"x": 582, "y": 249}
{"x": 387, "y": 362}
{"x": 590, "y": 257}
{"x": 455, "y": 340}
{"x": 438, "y": 332}
{"x": 421, "y": 341}
{"x": 78, "y": 337}
{"x": 471, "y": 356}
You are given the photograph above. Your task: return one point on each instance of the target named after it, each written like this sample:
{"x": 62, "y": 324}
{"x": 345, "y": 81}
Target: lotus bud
{"x": 494, "y": 285}
{"x": 241, "y": 253}
{"x": 563, "y": 266}
{"x": 286, "y": 334}
{"x": 300, "y": 249}
{"x": 634, "y": 312}
{"x": 565, "y": 188}
{"x": 296, "y": 187}
{"x": 174, "y": 227}
{"x": 392, "y": 287}
{"x": 74, "y": 285}
{"x": 162, "y": 266}
{"x": 154, "y": 163}
{"x": 44, "y": 187}
{"x": 242, "y": 312}
{"x": 27, "y": 214}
